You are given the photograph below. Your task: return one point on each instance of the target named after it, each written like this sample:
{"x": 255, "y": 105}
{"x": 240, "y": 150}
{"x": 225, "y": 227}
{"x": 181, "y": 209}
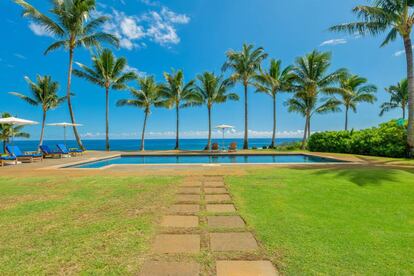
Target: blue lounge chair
{"x": 49, "y": 153}
{"x": 4, "y": 159}
{"x": 72, "y": 152}
{"x": 15, "y": 151}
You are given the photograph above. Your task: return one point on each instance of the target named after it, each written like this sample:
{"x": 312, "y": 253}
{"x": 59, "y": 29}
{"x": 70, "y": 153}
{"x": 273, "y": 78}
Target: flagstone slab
{"x": 225, "y": 222}
{"x": 177, "y": 243}
{"x": 189, "y": 190}
{"x": 243, "y": 241}
{"x": 163, "y": 268}
{"x": 191, "y": 184}
{"x": 214, "y": 184}
{"x": 184, "y": 209}
{"x": 217, "y": 198}
{"x": 245, "y": 268}
{"x": 179, "y": 221}
{"x": 215, "y": 191}
{"x": 188, "y": 198}
{"x": 220, "y": 208}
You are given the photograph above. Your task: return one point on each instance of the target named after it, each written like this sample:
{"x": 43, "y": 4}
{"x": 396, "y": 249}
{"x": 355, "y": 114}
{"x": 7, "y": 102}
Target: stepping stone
{"x": 220, "y": 208}
{"x": 188, "y": 198}
{"x": 184, "y": 209}
{"x": 245, "y": 268}
{"x": 179, "y": 221}
{"x": 215, "y": 190}
{"x": 217, "y": 198}
{"x": 233, "y": 242}
{"x": 225, "y": 222}
{"x": 186, "y": 190}
{"x": 162, "y": 268}
{"x": 191, "y": 184}
{"x": 214, "y": 184}
{"x": 174, "y": 243}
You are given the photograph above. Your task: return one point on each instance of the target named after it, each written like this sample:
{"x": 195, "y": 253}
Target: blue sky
{"x": 194, "y": 36}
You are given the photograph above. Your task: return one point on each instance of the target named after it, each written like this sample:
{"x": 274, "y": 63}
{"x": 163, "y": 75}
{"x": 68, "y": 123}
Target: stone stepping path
{"x": 202, "y": 234}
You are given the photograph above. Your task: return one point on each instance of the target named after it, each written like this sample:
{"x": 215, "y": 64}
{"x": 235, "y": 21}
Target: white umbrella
{"x": 16, "y": 122}
{"x": 64, "y": 125}
{"x": 223, "y": 128}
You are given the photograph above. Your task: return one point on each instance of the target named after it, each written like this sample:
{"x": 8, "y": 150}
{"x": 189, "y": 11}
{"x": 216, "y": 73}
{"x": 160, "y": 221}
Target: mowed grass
{"x": 331, "y": 221}
{"x": 92, "y": 225}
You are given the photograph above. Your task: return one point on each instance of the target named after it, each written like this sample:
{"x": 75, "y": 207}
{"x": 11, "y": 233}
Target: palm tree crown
{"x": 398, "y": 98}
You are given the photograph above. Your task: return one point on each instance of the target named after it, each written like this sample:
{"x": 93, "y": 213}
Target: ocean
{"x": 151, "y": 144}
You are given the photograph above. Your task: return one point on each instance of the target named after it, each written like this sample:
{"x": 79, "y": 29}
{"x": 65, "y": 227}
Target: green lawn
{"x": 95, "y": 225}
{"x": 327, "y": 221}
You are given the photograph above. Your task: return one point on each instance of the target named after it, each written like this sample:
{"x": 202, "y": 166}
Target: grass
{"x": 331, "y": 221}
{"x": 92, "y": 225}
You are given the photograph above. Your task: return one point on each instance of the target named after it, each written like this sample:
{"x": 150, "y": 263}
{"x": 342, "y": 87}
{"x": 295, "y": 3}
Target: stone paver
{"x": 180, "y": 221}
{"x": 233, "y": 242}
{"x": 217, "y": 198}
{"x": 214, "y": 184}
{"x": 191, "y": 184}
{"x": 184, "y": 209}
{"x": 215, "y": 191}
{"x": 225, "y": 222}
{"x": 188, "y": 198}
{"x": 220, "y": 208}
{"x": 189, "y": 190}
{"x": 245, "y": 268}
{"x": 163, "y": 268}
{"x": 174, "y": 243}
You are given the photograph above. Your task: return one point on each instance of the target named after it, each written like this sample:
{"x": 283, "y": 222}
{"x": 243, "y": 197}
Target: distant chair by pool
{"x": 7, "y": 159}
{"x": 215, "y": 147}
{"x": 233, "y": 147}
{"x": 49, "y": 153}
{"x": 14, "y": 151}
{"x": 72, "y": 152}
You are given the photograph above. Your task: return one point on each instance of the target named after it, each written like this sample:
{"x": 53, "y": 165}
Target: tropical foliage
{"x": 9, "y": 131}
{"x": 398, "y": 98}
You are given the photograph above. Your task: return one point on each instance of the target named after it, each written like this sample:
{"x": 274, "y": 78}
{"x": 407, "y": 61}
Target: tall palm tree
{"x": 310, "y": 80}
{"x": 398, "y": 98}
{"x": 109, "y": 73}
{"x": 7, "y": 131}
{"x": 71, "y": 28}
{"x": 271, "y": 83}
{"x": 354, "y": 90}
{"x": 176, "y": 94}
{"x": 212, "y": 89}
{"x": 44, "y": 94}
{"x": 397, "y": 17}
{"x": 245, "y": 65}
{"x": 147, "y": 96}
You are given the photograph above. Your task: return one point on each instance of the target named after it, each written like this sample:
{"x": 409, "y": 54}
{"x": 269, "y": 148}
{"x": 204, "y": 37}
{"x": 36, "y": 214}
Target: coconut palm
{"x": 212, "y": 89}
{"x": 44, "y": 94}
{"x": 109, "y": 73}
{"x": 177, "y": 94}
{"x": 271, "y": 83}
{"x": 309, "y": 81}
{"x": 397, "y": 18}
{"x": 9, "y": 131}
{"x": 398, "y": 98}
{"x": 147, "y": 96}
{"x": 70, "y": 26}
{"x": 354, "y": 90}
{"x": 244, "y": 66}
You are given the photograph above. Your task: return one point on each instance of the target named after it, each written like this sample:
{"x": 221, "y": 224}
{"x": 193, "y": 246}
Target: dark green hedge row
{"x": 389, "y": 140}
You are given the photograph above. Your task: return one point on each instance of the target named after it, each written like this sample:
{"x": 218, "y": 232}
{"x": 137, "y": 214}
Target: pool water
{"x": 207, "y": 159}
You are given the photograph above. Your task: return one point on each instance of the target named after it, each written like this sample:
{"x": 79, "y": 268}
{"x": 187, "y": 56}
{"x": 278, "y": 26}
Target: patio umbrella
{"x": 223, "y": 128}
{"x": 64, "y": 125}
{"x": 14, "y": 121}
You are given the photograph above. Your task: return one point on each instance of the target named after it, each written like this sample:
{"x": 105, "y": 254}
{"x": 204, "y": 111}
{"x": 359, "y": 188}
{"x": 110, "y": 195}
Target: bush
{"x": 388, "y": 140}
{"x": 288, "y": 146}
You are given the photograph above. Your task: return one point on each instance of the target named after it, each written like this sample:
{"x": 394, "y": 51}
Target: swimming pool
{"x": 206, "y": 159}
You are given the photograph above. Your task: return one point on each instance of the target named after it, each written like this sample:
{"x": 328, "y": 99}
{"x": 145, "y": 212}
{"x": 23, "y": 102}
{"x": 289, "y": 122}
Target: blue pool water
{"x": 207, "y": 159}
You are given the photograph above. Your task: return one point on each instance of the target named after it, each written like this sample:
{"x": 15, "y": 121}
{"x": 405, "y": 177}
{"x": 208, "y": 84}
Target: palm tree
{"x": 7, "y": 131}
{"x": 176, "y": 94}
{"x": 309, "y": 81}
{"x": 147, "y": 96}
{"x": 212, "y": 89}
{"x": 44, "y": 93}
{"x": 353, "y": 90}
{"x": 272, "y": 82}
{"x": 398, "y": 98}
{"x": 397, "y": 17}
{"x": 72, "y": 30}
{"x": 244, "y": 65}
{"x": 109, "y": 73}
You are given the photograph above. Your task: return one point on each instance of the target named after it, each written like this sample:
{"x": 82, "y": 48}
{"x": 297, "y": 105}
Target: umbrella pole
{"x": 64, "y": 135}
{"x": 222, "y": 141}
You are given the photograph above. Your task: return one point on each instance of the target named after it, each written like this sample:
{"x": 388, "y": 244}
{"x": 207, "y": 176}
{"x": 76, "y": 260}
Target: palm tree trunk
{"x": 43, "y": 129}
{"x": 309, "y": 128}
{"x": 346, "y": 118}
{"x": 305, "y": 133}
{"x": 4, "y": 146}
{"x": 272, "y": 145}
{"x": 107, "y": 118}
{"x": 410, "y": 77}
{"x": 72, "y": 116}
{"x": 143, "y": 131}
{"x": 246, "y": 124}
{"x": 403, "y": 112}
{"x": 209, "y": 128}
{"x": 177, "y": 134}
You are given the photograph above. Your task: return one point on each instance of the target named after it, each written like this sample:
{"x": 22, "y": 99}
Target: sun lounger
{"x": 49, "y": 153}
{"x": 15, "y": 151}
{"x": 65, "y": 150}
{"x": 7, "y": 159}
{"x": 214, "y": 147}
{"x": 233, "y": 147}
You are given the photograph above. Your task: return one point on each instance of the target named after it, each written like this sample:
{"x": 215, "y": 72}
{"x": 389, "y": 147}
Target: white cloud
{"x": 39, "y": 30}
{"x": 135, "y": 70}
{"x": 150, "y": 3}
{"x": 173, "y": 17}
{"x": 400, "y": 53}
{"x": 19, "y": 56}
{"x": 334, "y": 42}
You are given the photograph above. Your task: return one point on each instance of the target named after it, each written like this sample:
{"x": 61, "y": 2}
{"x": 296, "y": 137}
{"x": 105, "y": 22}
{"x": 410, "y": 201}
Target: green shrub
{"x": 288, "y": 146}
{"x": 389, "y": 139}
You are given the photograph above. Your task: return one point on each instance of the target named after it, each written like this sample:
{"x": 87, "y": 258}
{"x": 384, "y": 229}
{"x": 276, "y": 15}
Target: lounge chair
{"x": 7, "y": 159}
{"x": 49, "y": 153}
{"x": 30, "y": 157}
{"x": 214, "y": 147}
{"x": 233, "y": 147}
{"x": 72, "y": 152}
